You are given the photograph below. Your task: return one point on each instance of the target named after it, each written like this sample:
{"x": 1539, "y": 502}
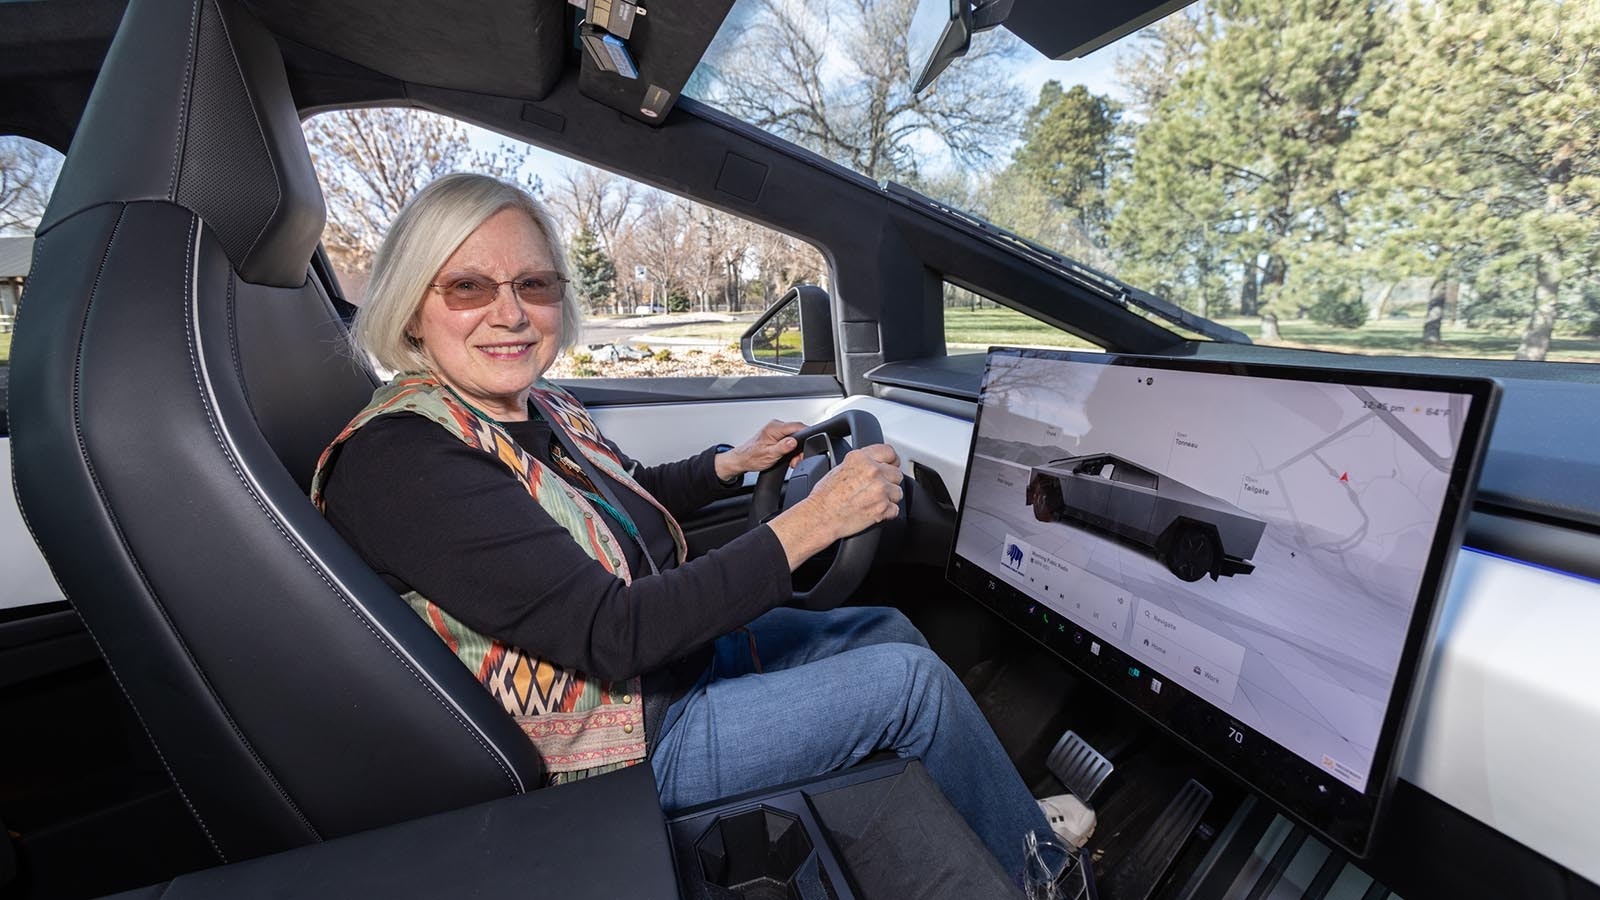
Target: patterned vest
{"x": 581, "y": 726}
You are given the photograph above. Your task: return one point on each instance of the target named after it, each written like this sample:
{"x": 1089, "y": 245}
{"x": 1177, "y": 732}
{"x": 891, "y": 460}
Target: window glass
{"x": 973, "y": 323}
{"x": 1377, "y": 177}
{"x": 778, "y": 341}
{"x": 28, "y": 171}
{"x": 667, "y": 285}
{"x": 1129, "y": 475}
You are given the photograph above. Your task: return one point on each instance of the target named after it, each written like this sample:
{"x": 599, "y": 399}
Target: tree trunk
{"x": 1380, "y": 308}
{"x": 1432, "y": 323}
{"x": 1272, "y": 281}
{"x": 1249, "y": 293}
{"x": 1277, "y": 271}
{"x": 1269, "y": 328}
{"x": 1452, "y": 300}
{"x": 1547, "y": 282}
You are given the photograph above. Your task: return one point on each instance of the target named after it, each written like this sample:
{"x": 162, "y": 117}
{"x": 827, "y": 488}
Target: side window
{"x": 27, "y": 175}
{"x": 28, "y": 172}
{"x": 973, "y": 323}
{"x": 1138, "y": 477}
{"x": 667, "y": 286}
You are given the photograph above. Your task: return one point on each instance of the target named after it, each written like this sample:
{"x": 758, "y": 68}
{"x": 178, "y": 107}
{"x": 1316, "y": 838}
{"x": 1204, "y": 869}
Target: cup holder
{"x": 755, "y": 854}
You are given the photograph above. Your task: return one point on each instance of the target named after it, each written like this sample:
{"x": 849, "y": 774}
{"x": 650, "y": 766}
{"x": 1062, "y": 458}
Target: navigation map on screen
{"x": 1259, "y": 542}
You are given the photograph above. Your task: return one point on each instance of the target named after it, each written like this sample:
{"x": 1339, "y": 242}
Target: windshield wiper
{"x": 1110, "y": 288}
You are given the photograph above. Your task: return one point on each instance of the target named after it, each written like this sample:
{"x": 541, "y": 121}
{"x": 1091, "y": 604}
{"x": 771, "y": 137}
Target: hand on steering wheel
{"x": 845, "y": 482}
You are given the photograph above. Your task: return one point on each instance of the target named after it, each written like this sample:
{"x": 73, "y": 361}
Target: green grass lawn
{"x": 723, "y": 331}
{"x": 984, "y": 327}
{"x": 969, "y": 328}
{"x": 1389, "y": 337}
{"x": 963, "y": 328}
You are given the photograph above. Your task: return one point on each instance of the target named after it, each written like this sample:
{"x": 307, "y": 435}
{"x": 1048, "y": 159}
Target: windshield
{"x": 1369, "y": 177}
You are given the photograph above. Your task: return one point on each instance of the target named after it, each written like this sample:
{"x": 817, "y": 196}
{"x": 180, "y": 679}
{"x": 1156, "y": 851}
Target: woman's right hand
{"x": 860, "y": 492}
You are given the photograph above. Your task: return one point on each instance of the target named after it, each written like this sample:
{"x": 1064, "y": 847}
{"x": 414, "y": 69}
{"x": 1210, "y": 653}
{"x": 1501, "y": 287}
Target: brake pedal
{"x": 1079, "y": 766}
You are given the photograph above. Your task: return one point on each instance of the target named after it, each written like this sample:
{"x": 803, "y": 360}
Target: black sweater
{"x": 435, "y": 515}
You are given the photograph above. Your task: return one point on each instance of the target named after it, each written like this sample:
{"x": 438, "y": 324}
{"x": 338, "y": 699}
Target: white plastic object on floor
{"x": 1070, "y": 818}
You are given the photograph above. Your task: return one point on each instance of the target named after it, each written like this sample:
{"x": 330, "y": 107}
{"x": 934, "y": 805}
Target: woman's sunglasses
{"x": 475, "y": 291}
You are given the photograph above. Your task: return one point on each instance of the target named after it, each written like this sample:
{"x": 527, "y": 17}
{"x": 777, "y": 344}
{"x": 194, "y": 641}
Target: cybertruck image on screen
{"x": 1192, "y": 533}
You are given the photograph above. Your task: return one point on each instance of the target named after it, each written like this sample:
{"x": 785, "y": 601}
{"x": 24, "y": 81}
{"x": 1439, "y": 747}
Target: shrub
{"x": 663, "y": 355}
{"x": 1339, "y": 310}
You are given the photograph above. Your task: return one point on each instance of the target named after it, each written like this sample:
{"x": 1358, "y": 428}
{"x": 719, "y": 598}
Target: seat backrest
{"x": 175, "y": 376}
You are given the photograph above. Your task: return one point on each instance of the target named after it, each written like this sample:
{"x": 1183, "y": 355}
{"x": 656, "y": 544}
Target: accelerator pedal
{"x": 1079, "y": 766}
{"x": 1137, "y": 875}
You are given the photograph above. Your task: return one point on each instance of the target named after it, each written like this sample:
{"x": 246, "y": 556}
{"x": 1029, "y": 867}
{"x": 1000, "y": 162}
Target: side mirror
{"x": 795, "y": 335}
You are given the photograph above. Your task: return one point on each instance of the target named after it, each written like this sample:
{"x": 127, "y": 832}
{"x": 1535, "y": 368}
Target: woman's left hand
{"x": 770, "y": 444}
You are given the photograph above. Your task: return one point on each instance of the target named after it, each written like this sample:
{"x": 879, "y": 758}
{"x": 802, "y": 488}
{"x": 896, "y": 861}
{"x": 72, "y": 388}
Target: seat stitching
{"x": 190, "y": 259}
{"x": 361, "y": 615}
{"x": 233, "y": 336}
{"x": 181, "y": 137}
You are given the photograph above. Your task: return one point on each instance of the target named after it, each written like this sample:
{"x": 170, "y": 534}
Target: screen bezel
{"x": 1334, "y": 810}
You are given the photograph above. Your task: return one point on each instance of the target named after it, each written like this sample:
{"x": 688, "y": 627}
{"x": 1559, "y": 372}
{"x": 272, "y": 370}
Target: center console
{"x": 873, "y": 832}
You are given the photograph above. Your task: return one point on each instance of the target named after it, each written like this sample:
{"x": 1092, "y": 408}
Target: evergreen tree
{"x": 1069, "y": 151}
{"x": 1482, "y": 151}
{"x": 593, "y": 274}
{"x": 1232, "y": 181}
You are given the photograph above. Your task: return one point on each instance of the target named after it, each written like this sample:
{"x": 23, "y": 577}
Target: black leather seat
{"x": 175, "y": 378}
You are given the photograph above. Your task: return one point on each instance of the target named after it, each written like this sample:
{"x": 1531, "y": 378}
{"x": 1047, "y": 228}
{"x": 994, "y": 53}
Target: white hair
{"x": 430, "y": 228}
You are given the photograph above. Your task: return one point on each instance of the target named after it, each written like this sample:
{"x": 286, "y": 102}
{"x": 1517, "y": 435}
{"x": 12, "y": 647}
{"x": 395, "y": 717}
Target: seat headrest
{"x": 193, "y": 107}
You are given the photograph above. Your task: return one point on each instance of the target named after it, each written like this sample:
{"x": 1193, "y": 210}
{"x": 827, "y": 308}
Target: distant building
{"x": 16, "y": 255}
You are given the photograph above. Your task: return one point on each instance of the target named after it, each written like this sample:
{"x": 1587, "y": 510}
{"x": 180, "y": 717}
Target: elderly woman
{"x": 554, "y": 566}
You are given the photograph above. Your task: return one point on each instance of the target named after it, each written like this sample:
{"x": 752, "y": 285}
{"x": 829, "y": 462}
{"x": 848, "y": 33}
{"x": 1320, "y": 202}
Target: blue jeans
{"x": 833, "y": 688}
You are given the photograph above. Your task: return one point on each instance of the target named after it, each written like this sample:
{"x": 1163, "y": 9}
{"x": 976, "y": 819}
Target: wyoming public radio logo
{"x": 1014, "y": 553}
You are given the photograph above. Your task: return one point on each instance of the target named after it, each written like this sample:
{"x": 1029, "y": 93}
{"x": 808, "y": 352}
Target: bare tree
{"x": 595, "y": 199}
{"x": 1160, "y": 54}
{"x": 658, "y": 238}
{"x": 371, "y": 162}
{"x": 836, "y": 78}
{"x": 781, "y": 262}
{"x": 27, "y": 174}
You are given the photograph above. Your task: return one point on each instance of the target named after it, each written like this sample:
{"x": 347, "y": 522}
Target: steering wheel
{"x": 821, "y": 447}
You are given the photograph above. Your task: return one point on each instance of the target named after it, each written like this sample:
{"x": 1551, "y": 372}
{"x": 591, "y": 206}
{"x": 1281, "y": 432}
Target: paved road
{"x": 640, "y": 330}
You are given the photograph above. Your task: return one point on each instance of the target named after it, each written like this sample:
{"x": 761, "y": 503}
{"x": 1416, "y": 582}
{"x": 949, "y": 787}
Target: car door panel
{"x": 27, "y": 579}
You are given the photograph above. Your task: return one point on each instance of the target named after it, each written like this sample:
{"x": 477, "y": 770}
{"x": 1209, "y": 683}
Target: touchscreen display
{"x": 1247, "y": 554}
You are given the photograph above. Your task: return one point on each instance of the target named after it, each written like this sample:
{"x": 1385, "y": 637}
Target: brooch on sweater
{"x": 569, "y": 466}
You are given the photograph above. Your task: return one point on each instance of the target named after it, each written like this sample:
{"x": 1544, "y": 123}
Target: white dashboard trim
{"x": 27, "y": 578}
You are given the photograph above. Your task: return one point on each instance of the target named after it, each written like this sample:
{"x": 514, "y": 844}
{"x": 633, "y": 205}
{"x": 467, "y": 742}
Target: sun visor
{"x": 1070, "y": 30}
{"x": 642, "y": 74}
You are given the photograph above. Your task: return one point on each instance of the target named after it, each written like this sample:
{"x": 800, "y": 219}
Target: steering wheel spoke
{"x": 821, "y": 447}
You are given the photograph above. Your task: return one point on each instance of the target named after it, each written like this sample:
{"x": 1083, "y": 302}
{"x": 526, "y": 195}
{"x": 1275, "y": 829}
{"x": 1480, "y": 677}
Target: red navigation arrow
{"x": 1345, "y": 477}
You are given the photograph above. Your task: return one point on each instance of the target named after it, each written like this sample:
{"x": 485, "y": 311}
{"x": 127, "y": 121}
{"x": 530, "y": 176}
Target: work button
{"x": 627, "y": 698}
{"x": 627, "y": 729}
